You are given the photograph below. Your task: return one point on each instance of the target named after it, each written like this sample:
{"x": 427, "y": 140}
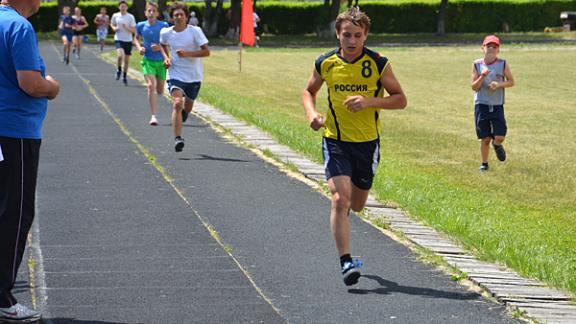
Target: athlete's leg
{"x": 120, "y": 55}
{"x": 79, "y": 40}
{"x": 126, "y": 64}
{"x": 177, "y": 106}
{"x": 358, "y": 198}
{"x": 160, "y": 85}
{"x": 498, "y": 140}
{"x": 341, "y": 191}
{"x": 485, "y": 148}
{"x": 152, "y": 97}
{"x": 188, "y": 105}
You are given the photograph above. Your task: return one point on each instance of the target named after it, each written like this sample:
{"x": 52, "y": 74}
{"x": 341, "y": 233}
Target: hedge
{"x": 481, "y": 16}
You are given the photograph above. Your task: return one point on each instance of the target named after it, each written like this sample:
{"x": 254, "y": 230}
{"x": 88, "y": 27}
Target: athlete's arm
{"x": 139, "y": 47}
{"x": 309, "y": 101}
{"x": 35, "y": 85}
{"x": 478, "y": 78}
{"x": 509, "y": 81}
{"x": 395, "y": 100}
{"x": 164, "y": 51}
{"x": 85, "y": 23}
{"x": 203, "y": 52}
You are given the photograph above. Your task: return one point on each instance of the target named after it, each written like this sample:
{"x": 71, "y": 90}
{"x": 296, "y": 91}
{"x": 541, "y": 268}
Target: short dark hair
{"x": 178, "y": 6}
{"x": 123, "y": 2}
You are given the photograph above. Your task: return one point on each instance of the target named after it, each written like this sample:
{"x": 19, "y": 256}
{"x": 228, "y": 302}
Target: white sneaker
{"x": 153, "y": 121}
{"x": 19, "y": 314}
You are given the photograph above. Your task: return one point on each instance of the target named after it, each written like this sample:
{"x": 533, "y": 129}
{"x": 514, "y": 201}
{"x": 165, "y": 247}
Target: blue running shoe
{"x": 351, "y": 272}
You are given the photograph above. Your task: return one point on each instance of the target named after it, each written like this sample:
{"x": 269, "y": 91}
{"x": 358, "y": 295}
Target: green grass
{"x": 520, "y": 214}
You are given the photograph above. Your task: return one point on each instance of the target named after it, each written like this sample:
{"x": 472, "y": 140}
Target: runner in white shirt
{"x": 124, "y": 24}
{"x": 183, "y": 46}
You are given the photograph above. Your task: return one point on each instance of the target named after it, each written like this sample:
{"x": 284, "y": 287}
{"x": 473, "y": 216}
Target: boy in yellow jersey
{"x": 356, "y": 78}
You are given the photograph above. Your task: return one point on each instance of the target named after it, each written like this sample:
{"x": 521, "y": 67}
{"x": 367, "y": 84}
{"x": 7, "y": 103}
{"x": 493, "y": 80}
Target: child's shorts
{"x": 490, "y": 121}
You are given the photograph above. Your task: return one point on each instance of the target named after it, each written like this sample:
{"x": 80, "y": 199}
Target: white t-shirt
{"x": 122, "y": 34}
{"x": 185, "y": 69}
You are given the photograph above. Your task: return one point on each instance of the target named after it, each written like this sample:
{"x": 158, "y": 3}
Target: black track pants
{"x": 18, "y": 173}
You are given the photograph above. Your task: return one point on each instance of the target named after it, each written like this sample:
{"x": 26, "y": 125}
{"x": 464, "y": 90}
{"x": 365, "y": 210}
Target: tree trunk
{"x": 138, "y": 8}
{"x": 441, "y": 28}
{"x": 235, "y": 13}
{"x": 211, "y": 17}
{"x": 331, "y": 10}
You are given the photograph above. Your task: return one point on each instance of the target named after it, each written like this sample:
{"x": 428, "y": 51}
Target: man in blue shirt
{"x": 24, "y": 92}
{"x": 153, "y": 61}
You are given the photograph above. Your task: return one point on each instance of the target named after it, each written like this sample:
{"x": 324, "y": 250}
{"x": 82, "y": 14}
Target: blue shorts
{"x": 68, "y": 33}
{"x": 190, "y": 89}
{"x": 490, "y": 121}
{"x": 359, "y": 161}
{"x": 126, "y": 46}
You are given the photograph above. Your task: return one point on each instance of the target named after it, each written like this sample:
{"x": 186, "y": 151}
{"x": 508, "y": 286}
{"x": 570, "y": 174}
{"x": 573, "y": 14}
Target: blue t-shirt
{"x": 21, "y": 115}
{"x": 67, "y": 20}
{"x": 151, "y": 35}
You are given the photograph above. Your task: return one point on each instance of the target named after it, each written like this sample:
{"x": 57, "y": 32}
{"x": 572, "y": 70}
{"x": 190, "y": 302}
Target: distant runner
{"x": 187, "y": 45}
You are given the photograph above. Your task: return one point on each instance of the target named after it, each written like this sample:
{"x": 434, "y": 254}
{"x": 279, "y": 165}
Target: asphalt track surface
{"x": 117, "y": 242}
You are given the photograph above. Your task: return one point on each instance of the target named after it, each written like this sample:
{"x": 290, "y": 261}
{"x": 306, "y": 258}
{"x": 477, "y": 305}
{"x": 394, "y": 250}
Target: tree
{"x": 234, "y": 14}
{"x": 138, "y": 8}
{"x": 331, "y": 10}
{"x": 441, "y": 27}
{"x": 212, "y": 17}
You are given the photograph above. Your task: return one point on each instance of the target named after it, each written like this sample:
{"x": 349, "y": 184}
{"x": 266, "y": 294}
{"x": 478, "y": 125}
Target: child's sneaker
{"x": 484, "y": 167}
{"x": 18, "y": 314}
{"x": 118, "y": 74}
{"x": 178, "y": 144}
{"x": 500, "y": 152}
{"x": 153, "y": 121}
{"x": 351, "y": 272}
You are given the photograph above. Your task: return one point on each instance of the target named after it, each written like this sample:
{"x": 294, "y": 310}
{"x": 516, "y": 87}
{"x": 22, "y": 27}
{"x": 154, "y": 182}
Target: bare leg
{"x": 498, "y": 140}
{"x": 341, "y": 190}
{"x": 152, "y": 96}
{"x": 177, "y": 106}
{"x": 485, "y": 148}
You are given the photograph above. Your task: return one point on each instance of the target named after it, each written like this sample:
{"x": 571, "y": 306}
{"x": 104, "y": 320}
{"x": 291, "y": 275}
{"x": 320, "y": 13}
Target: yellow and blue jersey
{"x": 344, "y": 79}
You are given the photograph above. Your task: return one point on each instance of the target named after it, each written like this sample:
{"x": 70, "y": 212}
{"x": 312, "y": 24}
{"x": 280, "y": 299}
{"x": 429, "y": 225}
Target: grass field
{"x": 520, "y": 214}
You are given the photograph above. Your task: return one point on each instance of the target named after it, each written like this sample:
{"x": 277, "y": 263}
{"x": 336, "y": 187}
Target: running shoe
{"x": 67, "y": 60}
{"x": 184, "y": 115}
{"x": 500, "y": 152}
{"x": 118, "y": 73}
{"x": 484, "y": 168}
{"x": 351, "y": 272}
{"x": 18, "y": 314}
{"x": 178, "y": 144}
{"x": 125, "y": 81}
{"x": 153, "y": 121}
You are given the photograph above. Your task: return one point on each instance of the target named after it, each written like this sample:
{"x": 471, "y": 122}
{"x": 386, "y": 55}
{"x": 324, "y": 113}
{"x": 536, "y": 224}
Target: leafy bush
{"x": 293, "y": 17}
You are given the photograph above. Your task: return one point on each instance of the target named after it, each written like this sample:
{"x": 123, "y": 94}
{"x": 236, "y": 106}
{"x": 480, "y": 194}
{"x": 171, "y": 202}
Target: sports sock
{"x": 345, "y": 258}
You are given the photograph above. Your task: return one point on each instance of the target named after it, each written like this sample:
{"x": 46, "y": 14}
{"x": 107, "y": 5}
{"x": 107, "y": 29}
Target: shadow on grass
{"x": 390, "y": 287}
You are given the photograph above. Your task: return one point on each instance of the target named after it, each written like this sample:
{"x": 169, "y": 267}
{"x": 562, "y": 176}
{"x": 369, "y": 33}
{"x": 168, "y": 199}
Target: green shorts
{"x": 155, "y": 68}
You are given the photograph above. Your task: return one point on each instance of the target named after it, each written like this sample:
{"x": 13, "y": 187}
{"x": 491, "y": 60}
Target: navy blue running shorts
{"x": 190, "y": 89}
{"x": 359, "y": 161}
{"x": 490, "y": 121}
{"x": 126, "y": 46}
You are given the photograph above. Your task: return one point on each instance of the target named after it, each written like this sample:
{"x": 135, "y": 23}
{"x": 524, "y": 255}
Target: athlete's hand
{"x": 167, "y": 63}
{"x": 181, "y": 53}
{"x": 317, "y": 122}
{"x": 155, "y": 47}
{"x": 485, "y": 72}
{"x": 56, "y": 87}
{"x": 142, "y": 50}
{"x": 493, "y": 85}
{"x": 355, "y": 103}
